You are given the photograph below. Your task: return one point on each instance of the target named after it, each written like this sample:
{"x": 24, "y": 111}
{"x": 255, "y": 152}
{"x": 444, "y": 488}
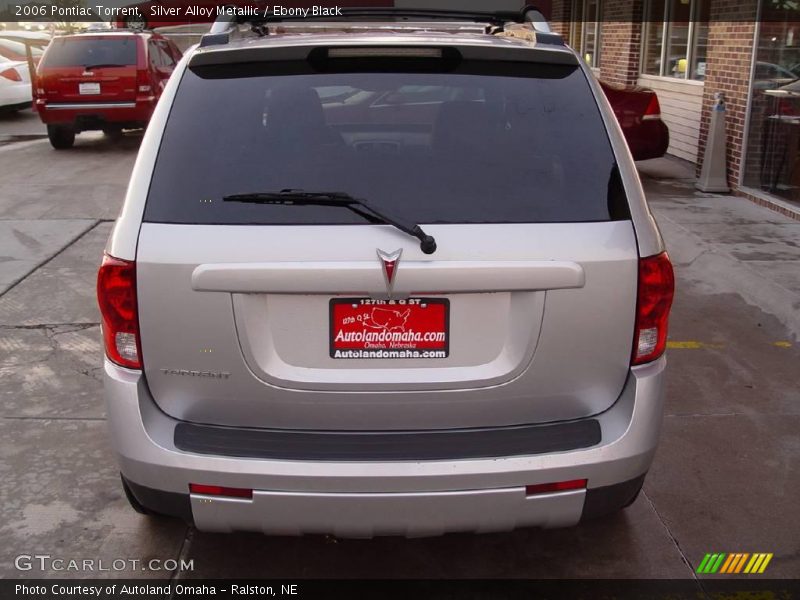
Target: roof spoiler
{"x": 228, "y": 24}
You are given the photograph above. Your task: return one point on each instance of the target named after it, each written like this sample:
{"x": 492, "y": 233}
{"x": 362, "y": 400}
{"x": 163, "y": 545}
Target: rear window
{"x": 88, "y": 52}
{"x": 482, "y": 143}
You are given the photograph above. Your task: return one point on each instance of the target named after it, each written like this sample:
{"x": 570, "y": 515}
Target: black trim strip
{"x": 606, "y": 500}
{"x": 387, "y": 446}
{"x": 165, "y": 504}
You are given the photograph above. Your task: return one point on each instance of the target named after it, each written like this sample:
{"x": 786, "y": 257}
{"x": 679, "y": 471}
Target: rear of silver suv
{"x": 384, "y": 282}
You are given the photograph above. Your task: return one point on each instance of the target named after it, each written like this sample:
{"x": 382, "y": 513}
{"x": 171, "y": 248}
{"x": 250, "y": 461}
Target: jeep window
{"x": 482, "y": 143}
{"x": 75, "y": 52}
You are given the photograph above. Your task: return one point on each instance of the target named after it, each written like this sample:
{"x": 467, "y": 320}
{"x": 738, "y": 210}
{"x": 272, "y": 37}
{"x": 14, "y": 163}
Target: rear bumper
{"x": 364, "y": 499}
{"x": 648, "y": 139}
{"x": 15, "y": 95}
{"x": 88, "y": 113}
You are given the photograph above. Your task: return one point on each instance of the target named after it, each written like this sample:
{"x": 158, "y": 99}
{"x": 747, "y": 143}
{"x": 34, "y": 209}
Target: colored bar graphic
{"x": 764, "y": 564}
{"x": 759, "y": 560}
{"x": 734, "y": 563}
{"x": 732, "y": 558}
{"x": 751, "y": 564}
{"x": 711, "y": 562}
{"x": 740, "y": 565}
{"x": 717, "y": 563}
{"x": 704, "y": 563}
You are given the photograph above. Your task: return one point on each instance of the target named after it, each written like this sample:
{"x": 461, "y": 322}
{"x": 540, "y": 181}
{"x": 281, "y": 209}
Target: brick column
{"x": 561, "y": 14}
{"x": 620, "y": 41}
{"x": 730, "y": 49}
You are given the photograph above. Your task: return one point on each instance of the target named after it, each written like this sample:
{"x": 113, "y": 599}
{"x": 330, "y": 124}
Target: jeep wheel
{"x": 113, "y": 133}
{"x": 62, "y": 137}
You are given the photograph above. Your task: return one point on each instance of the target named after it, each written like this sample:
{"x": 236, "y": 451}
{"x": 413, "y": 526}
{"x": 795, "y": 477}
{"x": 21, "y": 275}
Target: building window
{"x": 585, "y": 31}
{"x": 676, "y": 38}
{"x": 772, "y": 159}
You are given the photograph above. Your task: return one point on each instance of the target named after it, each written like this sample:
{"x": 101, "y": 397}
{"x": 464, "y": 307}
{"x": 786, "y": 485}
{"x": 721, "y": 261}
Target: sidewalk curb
{"x": 774, "y": 204}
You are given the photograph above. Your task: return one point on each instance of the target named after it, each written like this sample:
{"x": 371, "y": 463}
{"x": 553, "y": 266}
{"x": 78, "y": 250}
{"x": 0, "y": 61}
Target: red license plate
{"x": 411, "y": 328}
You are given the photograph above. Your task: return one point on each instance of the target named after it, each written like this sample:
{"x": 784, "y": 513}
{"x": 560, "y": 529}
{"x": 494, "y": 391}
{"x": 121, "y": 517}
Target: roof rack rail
{"x": 227, "y": 24}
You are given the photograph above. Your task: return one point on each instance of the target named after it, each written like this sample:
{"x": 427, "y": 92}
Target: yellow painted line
{"x": 728, "y": 562}
{"x": 685, "y": 345}
{"x": 691, "y": 345}
{"x": 696, "y": 345}
{"x": 765, "y": 563}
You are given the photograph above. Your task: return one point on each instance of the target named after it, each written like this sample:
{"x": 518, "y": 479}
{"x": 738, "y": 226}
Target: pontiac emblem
{"x": 389, "y": 261}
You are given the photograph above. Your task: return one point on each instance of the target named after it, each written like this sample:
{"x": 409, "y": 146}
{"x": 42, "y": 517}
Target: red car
{"x": 105, "y": 81}
{"x": 639, "y": 113}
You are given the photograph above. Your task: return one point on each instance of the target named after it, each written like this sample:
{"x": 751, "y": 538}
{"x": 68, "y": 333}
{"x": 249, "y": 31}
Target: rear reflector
{"x": 11, "y": 74}
{"x": 559, "y": 486}
{"x": 654, "y": 299}
{"x": 116, "y": 296}
{"x": 216, "y": 490}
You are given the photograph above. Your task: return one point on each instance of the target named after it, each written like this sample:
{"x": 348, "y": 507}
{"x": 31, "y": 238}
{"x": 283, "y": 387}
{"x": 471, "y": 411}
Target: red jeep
{"x": 106, "y": 81}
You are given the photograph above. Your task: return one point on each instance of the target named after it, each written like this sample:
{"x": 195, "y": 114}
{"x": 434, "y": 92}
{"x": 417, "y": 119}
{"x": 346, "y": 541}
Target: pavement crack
{"x": 183, "y": 554}
{"x": 674, "y": 540}
{"x": 94, "y": 373}
{"x": 52, "y": 326}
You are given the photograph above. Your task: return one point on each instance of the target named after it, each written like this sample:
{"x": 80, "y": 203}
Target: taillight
{"x": 116, "y": 295}
{"x": 655, "y": 291}
{"x": 11, "y": 75}
{"x": 653, "y": 110}
{"x": 143, "y": 84}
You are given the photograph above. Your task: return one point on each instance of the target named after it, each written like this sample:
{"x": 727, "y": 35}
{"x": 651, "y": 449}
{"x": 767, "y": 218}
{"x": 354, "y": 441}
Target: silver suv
{"x": 392, "y": 274}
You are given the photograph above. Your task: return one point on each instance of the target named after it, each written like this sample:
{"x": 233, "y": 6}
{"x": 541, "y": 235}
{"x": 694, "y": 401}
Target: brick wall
{"x": 620, "y": 36}
{"x": 561, "y": 13}
{"x": 620, "y": 41}
{"x": 730, "y": 48}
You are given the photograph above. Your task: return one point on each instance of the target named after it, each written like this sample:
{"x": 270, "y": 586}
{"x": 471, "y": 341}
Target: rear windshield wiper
{"x": 102, "y": 65}
{"x": 290, "y": 197}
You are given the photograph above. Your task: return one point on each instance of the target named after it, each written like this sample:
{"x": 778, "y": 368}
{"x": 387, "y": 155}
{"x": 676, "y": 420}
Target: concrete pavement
{"x": 20, "y": 125}
{"x": 726, "y": 477}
